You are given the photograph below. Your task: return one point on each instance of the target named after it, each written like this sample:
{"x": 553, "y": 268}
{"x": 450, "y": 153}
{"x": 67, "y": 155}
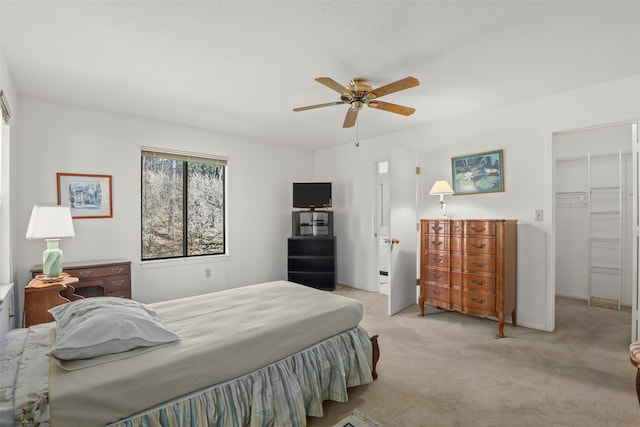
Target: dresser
{"x": 110, "y": 277}
{"x": 469, "y": 265}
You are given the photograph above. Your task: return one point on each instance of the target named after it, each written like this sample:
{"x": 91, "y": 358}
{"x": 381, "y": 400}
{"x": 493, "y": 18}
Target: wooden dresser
{"x": 469, "y": 265}
{"x": 111, "y": 277}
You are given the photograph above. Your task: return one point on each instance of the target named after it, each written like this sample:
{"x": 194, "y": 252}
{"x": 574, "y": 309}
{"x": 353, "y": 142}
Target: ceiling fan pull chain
{"x": 357, "y": 135}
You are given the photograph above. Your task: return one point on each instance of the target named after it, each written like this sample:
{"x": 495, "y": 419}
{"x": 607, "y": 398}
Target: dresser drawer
{"x": 437, "y": 259}
{"x": 479, "y": 301}
{"x": 479, "y": 282}
{"x": 479, "y": 263}
{"x": 436, "y": 227}
{"x": 473, "y": 245}
{"x": 434, "y": 275}
{"x": 437, "y": 243}
{"x": 480, "y": 228}
{"x": 437, "y": 293}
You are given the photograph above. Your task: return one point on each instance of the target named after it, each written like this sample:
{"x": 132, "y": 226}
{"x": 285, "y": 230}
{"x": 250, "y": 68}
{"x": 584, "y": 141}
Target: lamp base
{"x": 52, "y": 259}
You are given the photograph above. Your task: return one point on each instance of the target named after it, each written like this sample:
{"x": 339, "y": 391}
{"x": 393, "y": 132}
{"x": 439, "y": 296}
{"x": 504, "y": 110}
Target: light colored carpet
{"x": 451, "y": 370}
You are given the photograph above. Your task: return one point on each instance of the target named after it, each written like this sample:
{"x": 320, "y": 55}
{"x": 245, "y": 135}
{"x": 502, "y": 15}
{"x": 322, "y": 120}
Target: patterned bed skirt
{"x": 281, "y": 394}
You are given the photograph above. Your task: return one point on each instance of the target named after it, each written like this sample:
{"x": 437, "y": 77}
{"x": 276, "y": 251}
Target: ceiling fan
{"x": 359, "y": 93}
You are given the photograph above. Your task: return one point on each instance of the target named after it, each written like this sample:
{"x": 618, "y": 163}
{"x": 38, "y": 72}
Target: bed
{"x": 266, "y": 354}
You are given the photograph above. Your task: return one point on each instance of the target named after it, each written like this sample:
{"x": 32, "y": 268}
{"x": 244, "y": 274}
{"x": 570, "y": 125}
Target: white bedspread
{"x": 224, "y": 335}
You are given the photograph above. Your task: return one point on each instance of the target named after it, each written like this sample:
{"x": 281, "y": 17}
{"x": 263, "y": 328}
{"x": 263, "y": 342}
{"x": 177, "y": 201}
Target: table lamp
{"x": 50, "y": 223}
{"x": 440, "y": 188}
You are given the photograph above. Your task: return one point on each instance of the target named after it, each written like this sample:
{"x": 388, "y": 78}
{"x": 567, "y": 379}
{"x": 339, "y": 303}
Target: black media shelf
{"x": 311, "y": 261}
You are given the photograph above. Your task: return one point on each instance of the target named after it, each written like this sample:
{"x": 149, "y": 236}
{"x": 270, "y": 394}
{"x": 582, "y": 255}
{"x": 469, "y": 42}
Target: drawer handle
{"x": 436, "y": 276}
{"x": 479, "y": 301}
{"x": 117, "y": 282}
{"x": 437, "y": 228}
{"x": 479, "y": 245}
{"x": 478, "y": 230}
{"x": 117, "y": 270}
{"x": 436, "y": 292}
{"x": 440, "y": 260}
{"x": 436, "y": 242}
{"x": 478, "y": 264}
{"x": 478, "y": 282}
{"x": 84, "y": 274}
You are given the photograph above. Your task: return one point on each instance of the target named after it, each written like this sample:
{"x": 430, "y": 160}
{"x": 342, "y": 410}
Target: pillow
{"x": 98, "y": 326}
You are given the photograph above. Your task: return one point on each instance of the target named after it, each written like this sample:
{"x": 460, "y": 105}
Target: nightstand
{"x": 41, "y": 295}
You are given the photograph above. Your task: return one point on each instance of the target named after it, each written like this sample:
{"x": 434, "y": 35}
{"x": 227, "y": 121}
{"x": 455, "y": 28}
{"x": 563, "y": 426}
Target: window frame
{"x": 186, "y": 157}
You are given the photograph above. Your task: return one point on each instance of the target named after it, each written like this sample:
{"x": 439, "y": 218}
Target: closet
{"x": 593, "y": 180}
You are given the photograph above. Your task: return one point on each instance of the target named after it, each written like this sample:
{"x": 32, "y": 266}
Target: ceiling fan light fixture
{"x": 358, "y": 93}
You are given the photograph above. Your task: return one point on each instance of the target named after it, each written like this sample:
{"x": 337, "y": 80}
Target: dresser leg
{"x": 513, "y": 318}
{"x": 501, "y": 324}
{"x": 421, "y": 304}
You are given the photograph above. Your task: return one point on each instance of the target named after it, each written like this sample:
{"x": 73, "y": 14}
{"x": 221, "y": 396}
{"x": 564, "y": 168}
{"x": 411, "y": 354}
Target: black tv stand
{"x": 311, "y": 250}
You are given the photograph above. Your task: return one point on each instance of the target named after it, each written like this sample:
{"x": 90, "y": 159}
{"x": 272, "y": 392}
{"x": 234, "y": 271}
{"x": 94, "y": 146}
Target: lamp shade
{"x": 50, "y": 222}
{"x": 441, "y": 187}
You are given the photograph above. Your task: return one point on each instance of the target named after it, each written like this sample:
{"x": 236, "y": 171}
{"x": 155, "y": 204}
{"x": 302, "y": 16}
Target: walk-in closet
{"x": 594, "y": 215}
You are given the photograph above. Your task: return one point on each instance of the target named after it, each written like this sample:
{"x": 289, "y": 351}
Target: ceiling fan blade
{"x": 406, "y": 83}
{"x": 311, "y": 107}
{"x": 393, "y": 108}
{"x": 332, "y": 84}
{"x": 350, "y": 118}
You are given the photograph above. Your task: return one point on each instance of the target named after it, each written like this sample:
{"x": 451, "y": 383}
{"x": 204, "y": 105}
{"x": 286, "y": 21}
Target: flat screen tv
{"x": 311, "y": 195}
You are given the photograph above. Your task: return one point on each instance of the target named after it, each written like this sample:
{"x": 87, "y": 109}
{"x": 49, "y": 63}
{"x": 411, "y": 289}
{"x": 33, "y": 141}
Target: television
{"x": 311, "y": 195}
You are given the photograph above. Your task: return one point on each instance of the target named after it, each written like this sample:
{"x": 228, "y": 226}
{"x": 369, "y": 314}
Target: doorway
{"x": 382, "y": 226}
{"x": 595, "y": 195}
{"x": 395, "y": 232}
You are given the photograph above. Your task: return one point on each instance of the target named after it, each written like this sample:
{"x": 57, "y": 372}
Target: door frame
{"x": 551, "y": 260}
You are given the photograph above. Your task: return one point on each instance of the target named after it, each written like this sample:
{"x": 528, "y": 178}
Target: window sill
{"x": 176, "y": 262}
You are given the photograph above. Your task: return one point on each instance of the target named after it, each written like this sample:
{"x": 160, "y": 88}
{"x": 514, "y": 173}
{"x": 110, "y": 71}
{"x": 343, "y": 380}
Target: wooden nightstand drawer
{"x": 91, "y": 272}
{"x": 118, "y": 285}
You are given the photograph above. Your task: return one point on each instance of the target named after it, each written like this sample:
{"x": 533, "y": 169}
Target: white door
{"x": 402, "y": 230}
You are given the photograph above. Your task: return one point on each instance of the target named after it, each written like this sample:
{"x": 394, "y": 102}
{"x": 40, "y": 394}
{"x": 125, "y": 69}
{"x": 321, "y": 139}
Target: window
{"x": 183, "y": 205}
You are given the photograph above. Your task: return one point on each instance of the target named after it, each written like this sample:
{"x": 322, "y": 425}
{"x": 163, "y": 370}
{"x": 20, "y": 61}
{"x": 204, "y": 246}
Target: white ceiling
{"x": 239, "y": 67}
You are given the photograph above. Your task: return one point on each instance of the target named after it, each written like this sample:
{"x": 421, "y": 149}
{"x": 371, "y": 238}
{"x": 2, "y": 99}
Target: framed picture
{"x": 478, "y": 173}
{"x": 88, "y": 196}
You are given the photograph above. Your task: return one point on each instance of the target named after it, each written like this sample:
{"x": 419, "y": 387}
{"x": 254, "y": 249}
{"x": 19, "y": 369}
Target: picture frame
{"x": 478, "y": 173}
{"x": 88, "y": 196}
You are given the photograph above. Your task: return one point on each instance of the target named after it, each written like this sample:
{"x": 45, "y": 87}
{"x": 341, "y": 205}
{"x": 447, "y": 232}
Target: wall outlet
{"x": 539, "y": 214}
{"x": 207, "y": 272}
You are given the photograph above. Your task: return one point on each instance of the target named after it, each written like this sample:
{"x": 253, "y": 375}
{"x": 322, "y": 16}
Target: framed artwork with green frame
{"x": 478, "y": 173}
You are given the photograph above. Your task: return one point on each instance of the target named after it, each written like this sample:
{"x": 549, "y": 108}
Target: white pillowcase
{"x": 98, "y": 326}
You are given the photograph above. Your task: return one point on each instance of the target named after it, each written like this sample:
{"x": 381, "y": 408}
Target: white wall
{"x": 54, "y": 137}
{"x": 524, "y": 131}
{"x": 7, "y": 174}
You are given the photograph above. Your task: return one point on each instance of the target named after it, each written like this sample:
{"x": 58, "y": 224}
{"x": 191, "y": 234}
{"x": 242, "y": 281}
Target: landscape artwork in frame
{"x": 88, "y": 196}
{"x": 478, "y": 173}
